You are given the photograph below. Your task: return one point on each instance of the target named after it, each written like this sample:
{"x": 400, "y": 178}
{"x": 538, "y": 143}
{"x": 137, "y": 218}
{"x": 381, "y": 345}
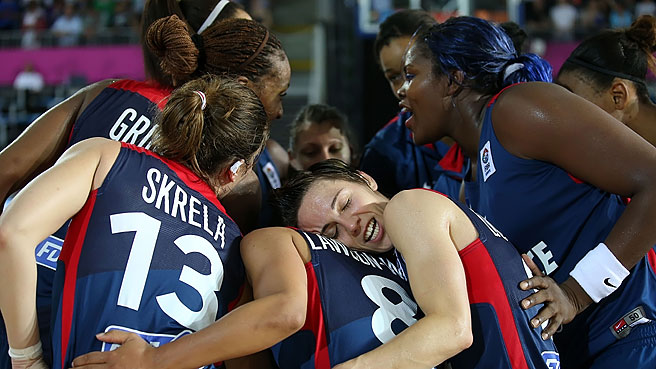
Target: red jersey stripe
{"x": 314, "y": 321}
{"x": 484, "y": 285}
{"x": 150, "y": 90}
{"x": 70, "y": 255}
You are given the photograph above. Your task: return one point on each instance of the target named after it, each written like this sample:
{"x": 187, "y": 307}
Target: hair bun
{"x": 169, "y": 39}
{"x": 643, "y": 32}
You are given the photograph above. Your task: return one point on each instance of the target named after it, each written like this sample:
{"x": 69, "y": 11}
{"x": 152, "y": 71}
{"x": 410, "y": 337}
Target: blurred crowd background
{"x": 51, "y": 48}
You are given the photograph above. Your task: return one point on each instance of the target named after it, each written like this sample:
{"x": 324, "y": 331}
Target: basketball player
{"x": 463, "y": 273}
{"x": 391, "y": 157}
{"x": 552, "y": 171}
{"x": 150, "y": 249}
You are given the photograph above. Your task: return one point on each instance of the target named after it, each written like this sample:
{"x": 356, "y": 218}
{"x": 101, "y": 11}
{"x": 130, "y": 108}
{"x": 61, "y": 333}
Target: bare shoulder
{"x": 276, "y": 237}
{"x": 418, "y": 200}
{"x": 528, "y": 116}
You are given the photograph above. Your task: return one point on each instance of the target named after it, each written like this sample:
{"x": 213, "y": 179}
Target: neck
{"x": 469, "y": 112}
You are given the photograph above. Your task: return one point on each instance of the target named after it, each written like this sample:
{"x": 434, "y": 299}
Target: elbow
{"x": 464, "y": 340}
{"x": 462, "y": 337}
{"x": 289, "y": 316}
{"x": 5, "y": 237}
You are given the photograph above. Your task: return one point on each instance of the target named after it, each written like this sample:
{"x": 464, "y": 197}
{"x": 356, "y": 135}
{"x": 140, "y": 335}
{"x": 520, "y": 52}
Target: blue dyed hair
{"x": 482, "y": 51}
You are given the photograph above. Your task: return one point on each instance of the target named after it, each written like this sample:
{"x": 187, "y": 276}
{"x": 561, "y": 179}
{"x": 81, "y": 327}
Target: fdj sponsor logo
{"x": 47, "y": 252}
{"x": 552, "y": 359}
{"x": 486, "y": 156}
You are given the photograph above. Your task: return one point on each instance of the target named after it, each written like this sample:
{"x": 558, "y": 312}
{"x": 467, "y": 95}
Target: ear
{"x": 370, "y": 180}
{"x": 621, "y": 93}
{"x": 245, "y": 81}
{"x": 456, "y": 79}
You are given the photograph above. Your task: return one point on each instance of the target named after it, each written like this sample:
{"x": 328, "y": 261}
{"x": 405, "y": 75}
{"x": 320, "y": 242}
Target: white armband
{"x": 599, "y": 272}
{"x": 29, "y": 353}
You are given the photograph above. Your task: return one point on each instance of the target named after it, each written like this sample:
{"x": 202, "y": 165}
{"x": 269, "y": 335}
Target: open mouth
{"x": 372, "y": 231}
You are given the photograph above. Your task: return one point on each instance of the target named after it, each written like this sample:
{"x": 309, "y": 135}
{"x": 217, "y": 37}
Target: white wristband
{"x": 29, "y": 353}
{"x": 599, "y": 272}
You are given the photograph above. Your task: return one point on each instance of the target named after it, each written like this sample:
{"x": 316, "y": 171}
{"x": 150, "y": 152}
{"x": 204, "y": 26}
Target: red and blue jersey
{"x": 503, "y": 338}
{"x": 151, "y": 252}
{"x": 123, "y": 111}
{"x": 356, "y": 302}
{"x": 556, "y": 219}
{"x": 396, "y": 163}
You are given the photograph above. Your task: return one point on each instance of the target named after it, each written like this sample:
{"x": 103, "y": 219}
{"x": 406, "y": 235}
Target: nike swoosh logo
{"x": 607, "y": 283}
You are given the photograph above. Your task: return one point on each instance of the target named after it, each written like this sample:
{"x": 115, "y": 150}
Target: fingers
{"x": 116, "y": 336}
{"x": 536, "y": 283}
{"x": 532, "y": 266}
{"x": 91, "y": 358}
{"x": 552, "y": 328}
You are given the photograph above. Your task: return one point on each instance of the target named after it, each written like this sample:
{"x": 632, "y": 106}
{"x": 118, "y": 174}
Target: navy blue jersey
{"x": 356, "y": 302}
{"x": 503, "y": 338}
{"x": 151, "y": 252}
{"x": 396, "y": 163}
{"x": 269, "y": 178}
{"x": 556, "y": 219}
{"x": 124, "y": 111}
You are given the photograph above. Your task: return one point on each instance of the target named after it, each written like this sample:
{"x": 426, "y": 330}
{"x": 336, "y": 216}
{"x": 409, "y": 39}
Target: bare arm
{"x": 277, "y": 273}
{"x": 546, "y": 122}
{"x": 39, "y": 210}
{"x": 422, "y": 225}
{"x": 41, "y": 144}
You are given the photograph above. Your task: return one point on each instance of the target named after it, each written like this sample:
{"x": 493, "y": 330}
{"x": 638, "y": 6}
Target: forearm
{"x": 634, "y": 234}
{"x": 248, "y": 329}
{"x": 425, "y": 344}
{"x": 18, "y": 292}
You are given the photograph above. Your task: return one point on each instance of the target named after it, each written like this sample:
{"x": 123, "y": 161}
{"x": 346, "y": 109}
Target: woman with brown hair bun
{"x": 123, "y": 110}
{"x": 150, "y": 249}
{"x": 609, "y": 69}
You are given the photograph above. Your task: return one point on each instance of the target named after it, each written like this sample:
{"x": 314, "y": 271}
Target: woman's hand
{"x": 560, "y": 302}
{"x": 133, "y": 353}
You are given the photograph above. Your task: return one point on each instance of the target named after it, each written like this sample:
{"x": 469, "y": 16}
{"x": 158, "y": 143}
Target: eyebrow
{"x": 332, "y": 206}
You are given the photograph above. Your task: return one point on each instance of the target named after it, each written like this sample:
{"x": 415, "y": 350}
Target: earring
{"x": 453, "y": 102}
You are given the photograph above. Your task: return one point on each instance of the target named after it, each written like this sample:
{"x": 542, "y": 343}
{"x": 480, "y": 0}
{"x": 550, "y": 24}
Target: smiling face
{"x": 272, "y": 87}
{"x": 318, "y": 142}
{"x": 391, "y": 62}
{"x": 423, "y": 95}
{"x": 349, "y": 212}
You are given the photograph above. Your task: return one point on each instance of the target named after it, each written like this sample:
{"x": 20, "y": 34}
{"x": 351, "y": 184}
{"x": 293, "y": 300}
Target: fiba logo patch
{"x": 487, "y": 164}
{"x": 552, "y": 359}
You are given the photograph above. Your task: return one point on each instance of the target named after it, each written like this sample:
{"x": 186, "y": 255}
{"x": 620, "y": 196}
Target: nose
{"x": 352, "y": 225}
{"x": 401, "y": 91}
{"x": 279, "y": 112}
{"x": 324, "y": 154}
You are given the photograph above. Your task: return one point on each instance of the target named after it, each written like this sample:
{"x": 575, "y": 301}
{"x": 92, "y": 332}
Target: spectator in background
{"x": 645, "y": 7}
{"x": 105, "y": 9}
{"x": 9, "y": 15}
{"x": 34, "y": 21}
{"x": 620, "y": 16}
{"x": 593, "y": 17}
{"x": 538, "y": 23}
{"x": 563, "y": 17}
{"x": 69, "y": 27}
{"x": 29, "y": 79}
{"x": 318, "y": 133}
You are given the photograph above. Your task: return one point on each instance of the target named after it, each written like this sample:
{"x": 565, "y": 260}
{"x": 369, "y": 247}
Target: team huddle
{"x": 499, "y": 221}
